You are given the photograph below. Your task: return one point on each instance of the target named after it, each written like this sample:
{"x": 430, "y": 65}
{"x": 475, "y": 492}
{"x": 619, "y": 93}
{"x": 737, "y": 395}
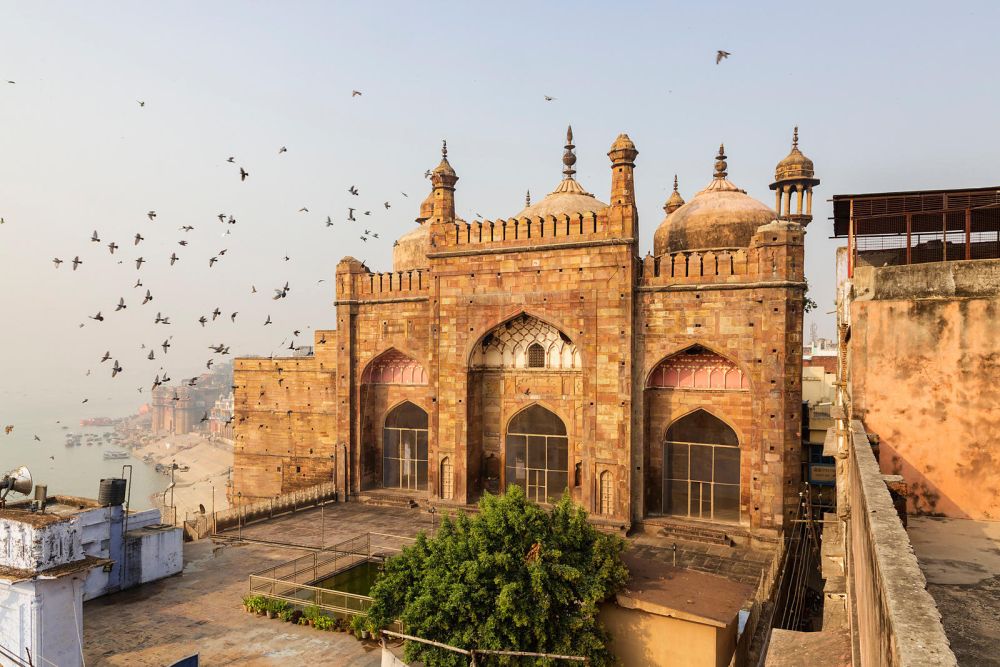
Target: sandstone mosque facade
{"x": 543, "y": 350}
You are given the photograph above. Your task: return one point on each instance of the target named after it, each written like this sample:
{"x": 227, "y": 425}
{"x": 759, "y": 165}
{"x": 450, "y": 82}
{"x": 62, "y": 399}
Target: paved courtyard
{"x": 199, "y": 610}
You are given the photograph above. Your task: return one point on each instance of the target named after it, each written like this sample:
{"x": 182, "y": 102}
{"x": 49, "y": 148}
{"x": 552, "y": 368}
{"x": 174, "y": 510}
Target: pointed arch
{"x": 404, "y": 447}
{"x": 699, "y": 368}
{"x": 536, "y": 453}
{"x": 701, "y": 468}
{"x": 394, "y": 367}
{"x": 508, "y": 343}
{"x": 447, "y": 478}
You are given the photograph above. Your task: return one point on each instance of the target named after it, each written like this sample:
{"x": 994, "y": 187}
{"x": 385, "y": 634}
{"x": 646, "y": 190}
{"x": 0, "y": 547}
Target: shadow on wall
{"x": 924, "y": 499}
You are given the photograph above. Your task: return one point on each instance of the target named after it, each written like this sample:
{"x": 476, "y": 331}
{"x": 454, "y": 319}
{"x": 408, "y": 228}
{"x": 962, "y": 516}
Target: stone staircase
{"x": 683, "y": 531}
{"x": 379, "y": 498}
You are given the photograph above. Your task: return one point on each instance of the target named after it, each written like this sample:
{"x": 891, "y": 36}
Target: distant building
{"x": 74, "y": 550}
{"x": 220, "y": 417}
{"x": 181, "y": 409}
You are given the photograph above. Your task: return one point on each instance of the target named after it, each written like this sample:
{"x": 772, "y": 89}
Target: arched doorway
{"x": 701, "y": 469}
{"x": 537, "y": 454}
{"x": 404, "y": 448}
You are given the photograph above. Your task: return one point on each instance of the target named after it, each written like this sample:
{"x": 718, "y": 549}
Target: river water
{"x": 74, "y": 471}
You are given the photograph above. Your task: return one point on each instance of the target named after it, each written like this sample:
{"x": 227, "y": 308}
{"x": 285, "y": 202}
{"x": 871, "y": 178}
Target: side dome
{"x": 569, "y": 196}
{"x": 795, "y": 165}
{"x": 410, "y": 250}
{"x": 720, "y": 216}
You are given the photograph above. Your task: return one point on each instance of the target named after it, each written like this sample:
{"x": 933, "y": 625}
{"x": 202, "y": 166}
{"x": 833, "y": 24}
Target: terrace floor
{"x": 199, "y": 610}
{"x": 961, "y": 560}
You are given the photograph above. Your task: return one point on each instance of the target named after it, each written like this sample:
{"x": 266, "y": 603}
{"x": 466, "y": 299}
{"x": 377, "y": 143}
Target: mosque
{"x": 544, "y": 350}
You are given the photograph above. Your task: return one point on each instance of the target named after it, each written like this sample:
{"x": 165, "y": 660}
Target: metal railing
{"x": 245, "y": 513}
{"x": 294, "y": 581}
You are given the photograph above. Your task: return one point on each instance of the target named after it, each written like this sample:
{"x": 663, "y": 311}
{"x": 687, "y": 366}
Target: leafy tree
{"x": 514, "y": 576}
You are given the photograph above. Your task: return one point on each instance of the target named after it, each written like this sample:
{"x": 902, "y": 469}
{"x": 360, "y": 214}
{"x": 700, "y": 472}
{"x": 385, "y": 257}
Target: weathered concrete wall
{"x": 40, "y": 543}
{"x": 45, "y": 617}
{"x": 897, "y": 623}
{"x": 925, "y": 375}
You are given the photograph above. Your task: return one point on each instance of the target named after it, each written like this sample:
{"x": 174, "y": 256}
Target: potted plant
{"x": 360, "y": 627}
{"x": 247, "y": 600}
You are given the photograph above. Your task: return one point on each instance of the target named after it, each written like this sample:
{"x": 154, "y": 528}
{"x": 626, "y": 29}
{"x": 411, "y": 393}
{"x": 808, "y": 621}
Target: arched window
{"x": 607, "y": 494}
{"x": 537, "y": 456}
{"x": 447, "y": 479}
{"x": 404, "y": 448}
{"x": 536, "y": 356}
{"x": 701, "y": 469}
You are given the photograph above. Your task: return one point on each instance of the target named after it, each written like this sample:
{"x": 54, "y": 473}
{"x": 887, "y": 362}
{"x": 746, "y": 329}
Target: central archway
{"x": 404, "y": 448}
{"x": 537, "y": 454}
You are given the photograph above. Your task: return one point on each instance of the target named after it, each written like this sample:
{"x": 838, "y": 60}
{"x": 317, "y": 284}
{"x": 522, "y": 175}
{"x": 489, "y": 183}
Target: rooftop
{"x": 960, "y": 559}
{"x": 57, "y": 509}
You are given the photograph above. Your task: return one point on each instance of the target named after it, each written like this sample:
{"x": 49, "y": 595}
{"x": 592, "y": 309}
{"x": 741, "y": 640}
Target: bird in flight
{"x": 151, "y": 214}
{"x": 208, "y": 364}
{"x": 95, "y": 238}
{"x": 386, "y": 204}
{"x": 121, "y": 304}
{"x": 355, "y": 93}
{"x": 243, "y": 174}
{"x": 98, "y": 317}
{"x": 548, "y": 98}
{"x": 151, "y": 357}
{"x": 202, "y": 320}
{"x": 106, "y": 357}
{"x": 329, "y": 223}
{"x": 268, "y": 321}
{"x": 165, "y": 345}
{"x": 138, "y": 283}
{"x": 186, "y": 228}
{"x": 230, "y": 159}
{"x": 216, "y": 313}
{"x": 350, "y": 215}
{"x": 138, "y": 263}
{"x": 721, "y": 55}
{"x": 56, "y": 261}
{"x": 204, "y": 417}
{"x": 182, "y": 243}
{"x": 353, "y": 190}
{"x": 281, "y": 292}
{"x": 303, "y": 210}
{"x": 233, "y": 316}
{"x": 282, "y": 150}
{"x": 173, "y": 258}
{"x": 404, "y": 194}
{"x": 142, "y": 103}
{"x": 138, "y": 237}
{"x": 116, "y": 369}
{"x": 147, "y": 298}
{"x": 212, "y": 261}
{"x": 112, "y": 247}
{"x": 160, "y": 319}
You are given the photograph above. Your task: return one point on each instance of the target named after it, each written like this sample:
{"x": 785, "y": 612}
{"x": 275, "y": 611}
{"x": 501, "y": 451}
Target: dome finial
{"x": 444, "y": 149}
{"x": 527, "y": 199}
{"x": 569, "y": 158}
{"x": 675, "y": 182}
{"x": 795, "y": 138}
{"x": 720, "y": 163}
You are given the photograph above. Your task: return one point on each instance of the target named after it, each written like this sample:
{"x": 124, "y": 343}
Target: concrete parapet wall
{"x": 897, "y": 624}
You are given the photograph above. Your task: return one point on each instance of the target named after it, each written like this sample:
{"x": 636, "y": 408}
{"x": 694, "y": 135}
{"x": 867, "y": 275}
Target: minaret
{"x": 623, "y": 214}
{"x": 794, "y": 176}
{"x": 443, "y": 179}
{"x": 675, "y": 201}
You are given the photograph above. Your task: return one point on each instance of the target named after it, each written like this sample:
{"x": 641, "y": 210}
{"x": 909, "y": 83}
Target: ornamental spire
{"x": 720, "y": 163}
{"x": 527, "y": 199}
{"x": 569, "y": 157}
{"x": 795, "y": 138}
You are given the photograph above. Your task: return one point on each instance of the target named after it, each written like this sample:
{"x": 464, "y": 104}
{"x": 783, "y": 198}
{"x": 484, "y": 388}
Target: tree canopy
{"x": 515, "y": 576}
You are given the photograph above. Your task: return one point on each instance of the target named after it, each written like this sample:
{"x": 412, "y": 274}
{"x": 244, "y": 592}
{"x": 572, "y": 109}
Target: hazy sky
{"x": 887, "y": 97}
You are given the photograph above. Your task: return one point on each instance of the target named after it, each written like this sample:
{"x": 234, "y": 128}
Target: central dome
{"x": 569, "y": 197}
{"x": 720, "y": 216}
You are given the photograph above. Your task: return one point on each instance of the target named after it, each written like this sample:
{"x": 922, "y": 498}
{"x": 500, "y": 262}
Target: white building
{"x": 75, "y": 550}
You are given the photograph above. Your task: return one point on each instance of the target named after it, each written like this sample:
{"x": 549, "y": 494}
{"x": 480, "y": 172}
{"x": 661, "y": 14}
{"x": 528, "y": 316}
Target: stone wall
{"x": 925, "y": 375}
{"x": 895, "y": 622}
{"x": 285, "y": 422}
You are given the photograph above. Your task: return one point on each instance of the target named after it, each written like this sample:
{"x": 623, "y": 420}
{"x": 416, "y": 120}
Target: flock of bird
{"x": 183, "y": 253}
